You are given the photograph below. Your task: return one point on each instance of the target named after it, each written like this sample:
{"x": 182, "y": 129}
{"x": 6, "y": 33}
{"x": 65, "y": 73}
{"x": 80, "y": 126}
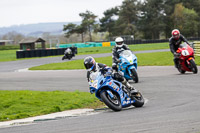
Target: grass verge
{"x": 10, "y": 55}
{"x": 7, "y": 55}
{"x": 144, "y": 59}
{"x": 23, "y": 104}
{"x": 136, "y": 47}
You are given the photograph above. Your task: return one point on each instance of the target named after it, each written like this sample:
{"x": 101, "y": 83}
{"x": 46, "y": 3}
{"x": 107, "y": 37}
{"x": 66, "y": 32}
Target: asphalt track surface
{"x": 172, "y": 107}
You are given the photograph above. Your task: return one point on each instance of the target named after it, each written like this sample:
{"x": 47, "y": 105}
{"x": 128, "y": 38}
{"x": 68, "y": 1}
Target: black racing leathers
{"x": 174, "y": 44}
{"x": 115, "y": 54}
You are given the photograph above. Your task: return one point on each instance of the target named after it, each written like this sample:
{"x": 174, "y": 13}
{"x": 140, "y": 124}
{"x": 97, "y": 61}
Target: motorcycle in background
{"x": 68, "y": 54}
{"x": 128, "y": 65}
{"x": 186, "y": 62}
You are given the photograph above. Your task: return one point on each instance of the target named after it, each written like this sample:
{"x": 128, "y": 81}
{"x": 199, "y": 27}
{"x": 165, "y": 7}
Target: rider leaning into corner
{"x": 118, "y": 48}
{"x": 92, "y": 66}
{"x": 174, "y": 43}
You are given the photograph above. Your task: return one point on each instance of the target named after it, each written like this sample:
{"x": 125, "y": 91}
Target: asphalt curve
{"x": 172, "y": 107}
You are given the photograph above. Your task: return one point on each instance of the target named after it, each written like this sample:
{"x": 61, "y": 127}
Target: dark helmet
{"x": 90, "y": 63}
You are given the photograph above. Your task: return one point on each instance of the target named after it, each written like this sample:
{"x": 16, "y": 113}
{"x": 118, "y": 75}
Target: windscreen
{"x": 125, "y": 53}
{"x": 183, "y": 45}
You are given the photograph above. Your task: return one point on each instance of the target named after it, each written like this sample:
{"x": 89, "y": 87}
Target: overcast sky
{"x": 15, "y": 12}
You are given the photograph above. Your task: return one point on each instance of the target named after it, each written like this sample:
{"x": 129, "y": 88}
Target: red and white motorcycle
{"x": 186, "y": 59}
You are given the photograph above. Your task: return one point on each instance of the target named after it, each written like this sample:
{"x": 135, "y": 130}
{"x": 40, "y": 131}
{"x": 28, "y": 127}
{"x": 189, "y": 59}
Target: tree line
{"x": 144, "y": 19}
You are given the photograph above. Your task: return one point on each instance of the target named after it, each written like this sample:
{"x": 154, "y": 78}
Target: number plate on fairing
{"x": 185, "y": 53}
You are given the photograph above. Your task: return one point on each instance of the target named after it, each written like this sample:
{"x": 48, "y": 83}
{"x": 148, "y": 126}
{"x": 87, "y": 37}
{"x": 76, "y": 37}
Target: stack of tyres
{"x": 32, "y": 53}
{"x": 38, "y": 53}
{"x": 43, "y": 52}
{"x": 53, "y": 52}
{"x": 48, "y": 52}
{"x": 57, "y": 51}
{"x": 20, "y": 54}
{"x": 63, "y": 50}
{"x": 60, "y": 51}
{"x": 27, "y": 54}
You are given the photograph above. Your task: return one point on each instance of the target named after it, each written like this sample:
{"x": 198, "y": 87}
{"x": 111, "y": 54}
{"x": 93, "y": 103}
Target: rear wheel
{"x": 134, "y": 75}
{"x": 193, "y": 66}
{"x": 113, "y": 103}
{"x": 139, "y": 100}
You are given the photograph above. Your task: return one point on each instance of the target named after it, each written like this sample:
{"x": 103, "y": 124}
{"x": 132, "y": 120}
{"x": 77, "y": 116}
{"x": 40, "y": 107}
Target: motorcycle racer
{"x": 174, "y": 43}
{"x": 92, "y": 66}
{"x": 118, "y": 48}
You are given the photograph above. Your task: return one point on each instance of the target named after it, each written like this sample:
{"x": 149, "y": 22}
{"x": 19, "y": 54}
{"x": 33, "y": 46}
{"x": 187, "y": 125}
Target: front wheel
{"x": 134, "y": 75}
{"x": 139, "y": 100}
{"x": 193, "y": 66}
{"x": 112, "y": 103}
{"x": 63, "y": 57}
{"x": 180, "y": 69}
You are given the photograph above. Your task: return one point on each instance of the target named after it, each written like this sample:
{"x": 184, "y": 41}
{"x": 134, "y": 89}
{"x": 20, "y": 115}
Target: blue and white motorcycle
{"x": 128, "y": 65}
{"x": 113, "y": 93}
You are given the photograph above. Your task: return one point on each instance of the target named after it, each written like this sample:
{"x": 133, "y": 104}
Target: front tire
{"x": 114, "y": 104}
{"x": 139, "y": 100}
{"x": 193, "y": 66}
{"x": 180, "y": 70}
{"x": 134, "y": 75}
{"x": 63, "y": 57}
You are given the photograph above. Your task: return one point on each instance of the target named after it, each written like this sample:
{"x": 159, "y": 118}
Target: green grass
{"x": 10, "y": 55}
{"x": 136, "y": 47}
{"x": 7, "y": 55}
{"x": 11, "y": 47}
{"x": 23, "y": 104}
{"x": 144, "y": 59}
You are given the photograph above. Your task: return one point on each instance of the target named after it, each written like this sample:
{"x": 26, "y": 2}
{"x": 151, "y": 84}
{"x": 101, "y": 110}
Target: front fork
{"x": 129, "y": 70}
{"x": 188, "y": 61}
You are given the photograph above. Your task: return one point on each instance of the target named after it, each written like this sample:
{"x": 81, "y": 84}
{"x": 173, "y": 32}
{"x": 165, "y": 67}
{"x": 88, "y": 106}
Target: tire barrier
{"x": 197, "y": 48}
{"x": 43, "y": 52}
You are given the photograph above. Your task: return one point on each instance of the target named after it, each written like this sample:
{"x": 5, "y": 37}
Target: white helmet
{"x": 119, "y": 42}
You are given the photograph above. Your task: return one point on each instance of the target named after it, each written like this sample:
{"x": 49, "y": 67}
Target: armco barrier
{"x": 43, "y": 52}
{"x": 197, "y": 48}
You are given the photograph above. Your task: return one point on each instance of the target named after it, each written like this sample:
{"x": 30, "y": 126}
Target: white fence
{"x": 197, "y": 48}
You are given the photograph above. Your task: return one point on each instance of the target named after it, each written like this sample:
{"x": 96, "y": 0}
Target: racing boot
{"x": 131, "y": 90}
{"x": 176, "y": 62}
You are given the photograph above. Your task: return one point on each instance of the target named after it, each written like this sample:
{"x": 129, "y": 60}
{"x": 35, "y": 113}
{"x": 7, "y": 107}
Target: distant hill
{"x": 36, "y": 29}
